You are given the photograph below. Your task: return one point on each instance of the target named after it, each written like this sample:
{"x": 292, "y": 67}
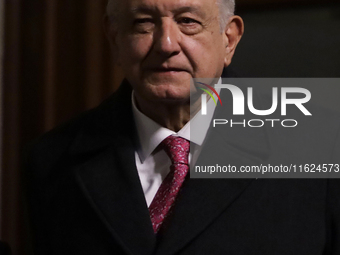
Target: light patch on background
{"x": 2, "y": 14}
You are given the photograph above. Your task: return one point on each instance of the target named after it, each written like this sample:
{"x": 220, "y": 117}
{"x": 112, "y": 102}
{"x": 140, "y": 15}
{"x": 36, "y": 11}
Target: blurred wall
{"x": 57, "y": 64}
{"x": 290, "y": 41}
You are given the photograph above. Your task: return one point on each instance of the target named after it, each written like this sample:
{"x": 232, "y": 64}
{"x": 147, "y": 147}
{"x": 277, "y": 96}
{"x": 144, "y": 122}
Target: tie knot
{"x": 177, "y": 149}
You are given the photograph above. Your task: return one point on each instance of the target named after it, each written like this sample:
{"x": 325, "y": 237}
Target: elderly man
{"x": 115, "y": 180}
{"x": 161, "y": 45}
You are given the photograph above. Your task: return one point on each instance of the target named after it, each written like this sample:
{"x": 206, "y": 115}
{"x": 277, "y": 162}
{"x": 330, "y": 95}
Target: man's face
{"x": 162, "y": 44}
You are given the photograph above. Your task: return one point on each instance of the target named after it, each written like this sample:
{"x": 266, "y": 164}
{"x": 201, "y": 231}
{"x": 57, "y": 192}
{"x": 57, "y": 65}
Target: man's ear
{"x": 233, "y": 33}
{"x": 110, "y": 29}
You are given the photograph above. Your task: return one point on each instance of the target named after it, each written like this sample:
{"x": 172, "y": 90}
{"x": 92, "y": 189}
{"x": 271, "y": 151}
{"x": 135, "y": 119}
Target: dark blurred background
{"x": 56, "y": 64}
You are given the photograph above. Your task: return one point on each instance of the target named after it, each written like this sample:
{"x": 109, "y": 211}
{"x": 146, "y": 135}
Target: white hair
{"x": 227, "y": 10}
{"x": 226, "y": 7}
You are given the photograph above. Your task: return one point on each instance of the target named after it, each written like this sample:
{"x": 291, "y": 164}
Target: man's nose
{"x": 167, "y": 39}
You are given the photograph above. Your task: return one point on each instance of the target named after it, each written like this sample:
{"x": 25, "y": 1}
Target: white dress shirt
{"x": 154, "y": 164}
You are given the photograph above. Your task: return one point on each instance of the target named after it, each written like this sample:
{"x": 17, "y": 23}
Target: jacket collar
{"x": 104, "y": 124}
{"x": 107, "y": 175}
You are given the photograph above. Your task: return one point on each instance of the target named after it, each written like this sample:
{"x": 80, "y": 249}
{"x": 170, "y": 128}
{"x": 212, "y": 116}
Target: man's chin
{"x": 168, "y": 94}
{"x": 175, "y": 78}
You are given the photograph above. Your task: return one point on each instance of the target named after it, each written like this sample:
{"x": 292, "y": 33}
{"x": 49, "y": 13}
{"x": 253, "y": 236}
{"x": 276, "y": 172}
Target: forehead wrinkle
{"x": 178, "y": 9}
{"x": 191, "y": 9}
{"x": 143, "y": 9}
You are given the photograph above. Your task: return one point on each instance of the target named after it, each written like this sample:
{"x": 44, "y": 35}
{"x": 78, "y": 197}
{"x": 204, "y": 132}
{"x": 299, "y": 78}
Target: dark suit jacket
{"x": 86, "y": 198}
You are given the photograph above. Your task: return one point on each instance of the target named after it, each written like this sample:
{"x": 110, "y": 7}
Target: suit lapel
{"x": 201, "y": 201}
{"x": 109, "y": 178}
{"x": 113, "y": 189}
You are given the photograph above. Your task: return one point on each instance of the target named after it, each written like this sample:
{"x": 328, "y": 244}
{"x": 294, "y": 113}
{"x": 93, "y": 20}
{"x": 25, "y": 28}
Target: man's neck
{"x": 173, "y": 116}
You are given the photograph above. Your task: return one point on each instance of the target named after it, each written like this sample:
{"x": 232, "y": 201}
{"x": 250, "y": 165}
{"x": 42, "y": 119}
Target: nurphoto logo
{"x": 238, "y": 98}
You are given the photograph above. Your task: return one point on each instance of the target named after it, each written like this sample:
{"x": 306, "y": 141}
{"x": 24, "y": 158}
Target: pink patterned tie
{"x": 177, "y": 149}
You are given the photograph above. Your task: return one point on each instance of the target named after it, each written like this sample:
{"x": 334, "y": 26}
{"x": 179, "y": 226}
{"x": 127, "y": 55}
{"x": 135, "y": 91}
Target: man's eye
{"x": 189, "y": 26}
{"x": 143, "y": 25}
{"x": 187, "y": 21}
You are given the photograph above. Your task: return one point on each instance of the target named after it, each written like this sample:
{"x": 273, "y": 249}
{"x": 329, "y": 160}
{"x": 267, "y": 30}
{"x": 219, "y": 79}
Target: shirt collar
{"x": 151, "y": 134}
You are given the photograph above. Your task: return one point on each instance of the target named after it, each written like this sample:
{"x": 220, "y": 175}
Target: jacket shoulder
{"x": 47, "y": 150}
